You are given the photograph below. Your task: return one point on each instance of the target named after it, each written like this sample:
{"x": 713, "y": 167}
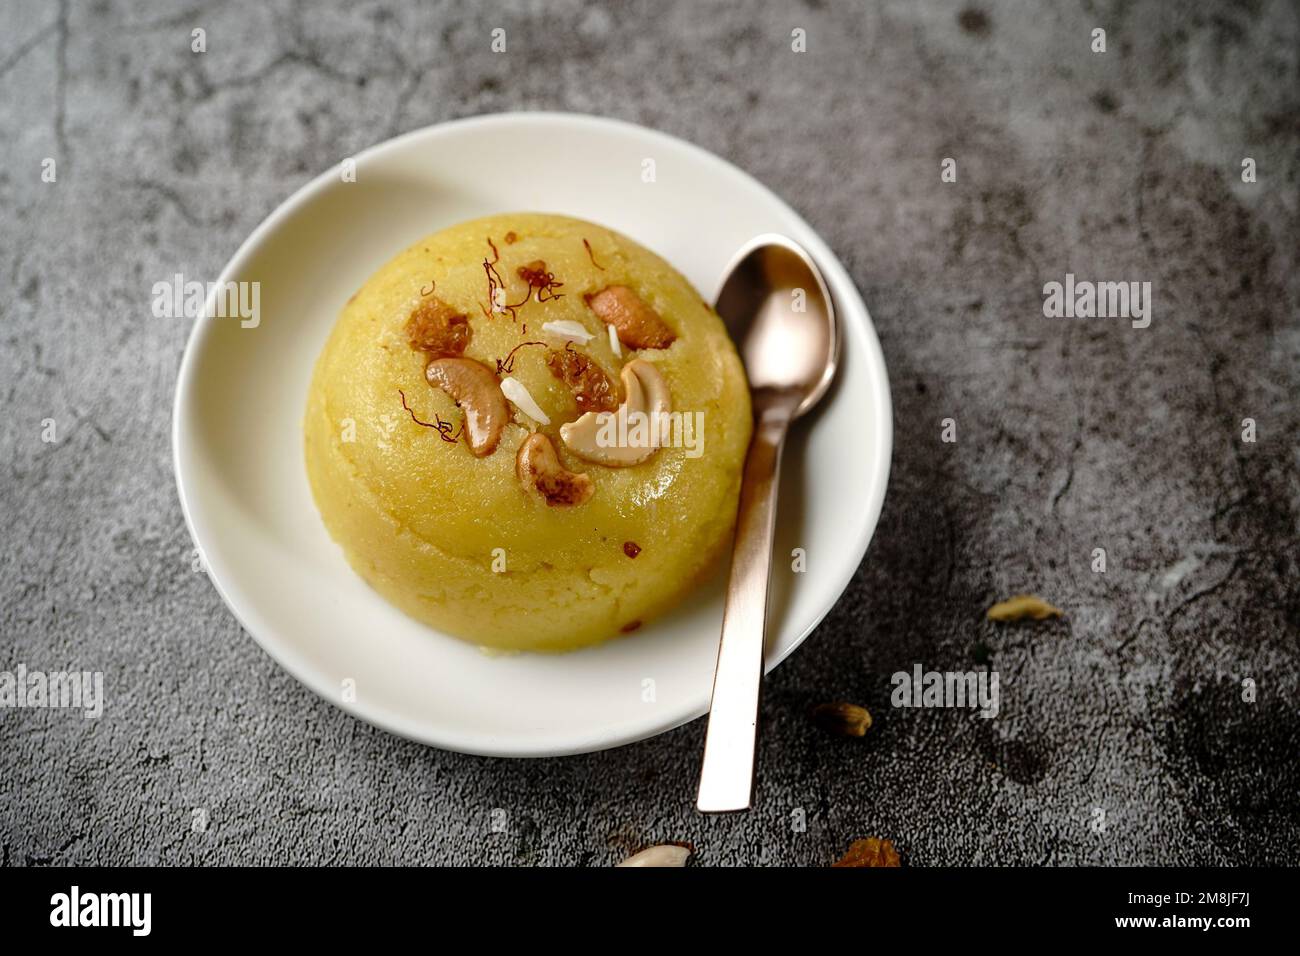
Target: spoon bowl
{"x": 778, "y": 311}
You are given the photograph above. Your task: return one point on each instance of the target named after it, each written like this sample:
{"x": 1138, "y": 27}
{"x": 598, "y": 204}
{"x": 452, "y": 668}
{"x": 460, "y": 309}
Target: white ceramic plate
{"x": 237, "y": 435}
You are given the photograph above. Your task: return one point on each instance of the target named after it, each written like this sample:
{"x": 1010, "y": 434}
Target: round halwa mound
{"x": 464, "y": 541}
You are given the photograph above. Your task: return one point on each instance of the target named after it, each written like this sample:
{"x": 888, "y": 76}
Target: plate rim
{"x": 382, "y": 717}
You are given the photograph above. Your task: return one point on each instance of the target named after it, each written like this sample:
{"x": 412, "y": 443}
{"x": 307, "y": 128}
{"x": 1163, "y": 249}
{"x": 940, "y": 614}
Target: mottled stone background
{"x": 1072, "y": 435}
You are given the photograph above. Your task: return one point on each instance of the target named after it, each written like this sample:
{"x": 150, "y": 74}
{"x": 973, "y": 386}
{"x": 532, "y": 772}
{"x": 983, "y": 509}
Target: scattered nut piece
{"x": 870, "y": 852}
{"x": 437, "y": 328}
{"x": 667, "y": 854}
{"x": 631, "y": 548}
{"x": 847, "y": 720}
{"x": 518, "y": 393}
{"x": 566, "y": 330}
{"x": 639, "y": 326}
{"x": 472, "y": 386}
{"x": 1023, "y": 606}
{"x": 539, "y": 468}
{"x": 639, "y": 416}
{"x": 592, "y": 389}
{"x": 613, "y": 342}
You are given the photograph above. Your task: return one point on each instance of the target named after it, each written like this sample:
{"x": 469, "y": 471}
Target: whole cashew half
{"x": 473, "y": 386}
{"x": 647, "y": 396}
{"x": 539, "y": 468}
{"x": 637, "y": 324}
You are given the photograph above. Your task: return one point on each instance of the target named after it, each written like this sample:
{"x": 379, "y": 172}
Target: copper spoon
{"x": 779, "y": 313}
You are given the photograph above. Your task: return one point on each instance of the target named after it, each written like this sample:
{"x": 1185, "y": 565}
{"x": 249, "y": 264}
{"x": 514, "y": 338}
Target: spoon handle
{"x": 727, "y": 775}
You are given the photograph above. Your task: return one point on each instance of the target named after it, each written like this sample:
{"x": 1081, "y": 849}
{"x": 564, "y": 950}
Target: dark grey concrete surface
{"x": 1123, "y": 736}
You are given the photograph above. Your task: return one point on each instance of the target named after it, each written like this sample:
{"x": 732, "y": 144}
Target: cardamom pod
{"x": 1023, "y": 606}
{"x": 847, "y": 720}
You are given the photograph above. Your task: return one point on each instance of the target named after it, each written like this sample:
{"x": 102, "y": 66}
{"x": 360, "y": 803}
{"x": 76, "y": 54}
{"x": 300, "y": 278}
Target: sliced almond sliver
{"x": 518, "y": 393}
{"x": 613, "y": 342}
{"x": 568, "y": 331}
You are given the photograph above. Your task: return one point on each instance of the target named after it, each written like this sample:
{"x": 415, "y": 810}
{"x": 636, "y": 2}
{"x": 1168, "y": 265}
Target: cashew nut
{"x": 472, "y": 386}
{"x": 629, "y": 435}
{"x": 638, "y": 325}
{"x": 539, "y": 468}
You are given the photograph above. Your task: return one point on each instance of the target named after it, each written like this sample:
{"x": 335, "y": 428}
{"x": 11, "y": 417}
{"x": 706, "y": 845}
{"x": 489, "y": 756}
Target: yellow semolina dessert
{"x": 528, "y": 431}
